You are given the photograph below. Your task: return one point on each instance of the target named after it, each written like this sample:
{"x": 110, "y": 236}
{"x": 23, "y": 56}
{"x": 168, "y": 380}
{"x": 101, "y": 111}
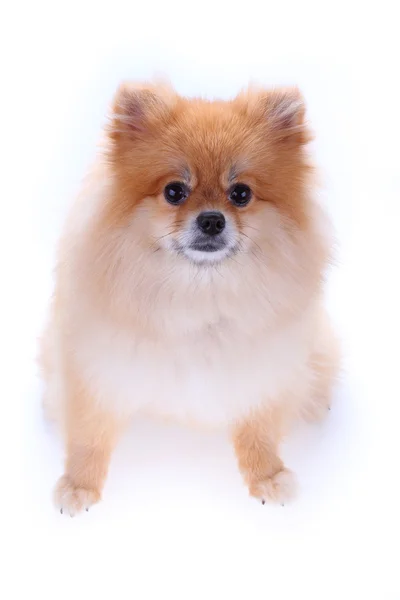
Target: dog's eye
{"x": 240, "y": 195}
{"x": 176, "y": 193}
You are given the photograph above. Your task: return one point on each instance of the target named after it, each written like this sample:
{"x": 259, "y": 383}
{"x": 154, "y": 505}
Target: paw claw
{"x": 280, "y": 488}
{"x": 316, "y": 411}
{"x": 72, "y": 499}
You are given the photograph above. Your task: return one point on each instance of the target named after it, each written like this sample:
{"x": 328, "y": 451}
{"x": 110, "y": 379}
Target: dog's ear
{"x": 138, "y": 110}
{"x": 283, "y": 110}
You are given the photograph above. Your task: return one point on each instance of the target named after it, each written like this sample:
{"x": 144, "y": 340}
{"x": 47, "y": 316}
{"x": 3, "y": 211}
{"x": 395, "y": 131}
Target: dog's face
{"x": 209, "y": 180}
{"x": 208, "y": 204}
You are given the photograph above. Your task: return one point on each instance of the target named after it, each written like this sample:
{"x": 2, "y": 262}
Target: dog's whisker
{"x": 157, "y": 240}
{"x": 252, "y": 241}
{"x": 251, "y": 227}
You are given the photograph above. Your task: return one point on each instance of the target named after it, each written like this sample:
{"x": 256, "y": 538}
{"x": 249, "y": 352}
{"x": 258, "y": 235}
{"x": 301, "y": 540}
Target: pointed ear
{"x": 138, "y": 110}
{"x": 283, "y": 109}
{"x": 286, "y": 109}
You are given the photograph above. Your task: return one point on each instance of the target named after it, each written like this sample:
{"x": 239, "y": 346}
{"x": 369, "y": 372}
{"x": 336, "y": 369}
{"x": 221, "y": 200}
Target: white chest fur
{"x": 212, "y": 377}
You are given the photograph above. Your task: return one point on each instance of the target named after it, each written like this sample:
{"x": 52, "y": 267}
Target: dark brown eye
{"x": 176, "y": 193}
{"x": 240, "y": 195}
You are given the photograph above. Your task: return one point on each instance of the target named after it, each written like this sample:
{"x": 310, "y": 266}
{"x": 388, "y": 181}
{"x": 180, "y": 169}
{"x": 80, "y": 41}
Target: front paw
{"x": 71, "y": 499}
{"x": 280, "y": 487}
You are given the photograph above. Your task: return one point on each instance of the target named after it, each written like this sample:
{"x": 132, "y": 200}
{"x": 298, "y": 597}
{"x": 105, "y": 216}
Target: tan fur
{"x": 256, "y": 441}
{"x": 91, "y": 435}
{"x": 139, "y": 327}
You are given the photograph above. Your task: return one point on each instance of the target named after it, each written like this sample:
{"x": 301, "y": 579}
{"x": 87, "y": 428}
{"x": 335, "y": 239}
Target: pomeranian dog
{"x": 189, "y": 285}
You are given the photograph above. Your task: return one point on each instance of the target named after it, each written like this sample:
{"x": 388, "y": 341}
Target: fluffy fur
{"x": 140, "y": 323}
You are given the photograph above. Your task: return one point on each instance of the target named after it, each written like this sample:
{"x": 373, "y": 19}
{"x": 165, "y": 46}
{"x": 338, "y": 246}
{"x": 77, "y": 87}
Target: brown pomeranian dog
{"x": 189, "y": 285}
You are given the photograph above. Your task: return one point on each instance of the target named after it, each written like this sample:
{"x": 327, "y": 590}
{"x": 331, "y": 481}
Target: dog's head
{"x": 209, "y": 178}
{"x": 200, "y": 185}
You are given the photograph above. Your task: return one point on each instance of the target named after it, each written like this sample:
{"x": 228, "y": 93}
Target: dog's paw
{"x": 71, "y": 499}
{"x": 280, "y": 488}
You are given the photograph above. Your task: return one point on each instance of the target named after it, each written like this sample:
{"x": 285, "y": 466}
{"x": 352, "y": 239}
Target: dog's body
{"x": 154, "y": 314}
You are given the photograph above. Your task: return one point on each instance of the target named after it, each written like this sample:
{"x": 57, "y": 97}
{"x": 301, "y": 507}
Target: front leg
{"x": 256, "y": 441}
{"x": 91, "y": 435}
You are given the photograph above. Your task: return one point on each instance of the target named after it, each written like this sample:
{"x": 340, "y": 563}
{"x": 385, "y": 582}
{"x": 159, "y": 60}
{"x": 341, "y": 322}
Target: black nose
{"x": 211, "y": 222}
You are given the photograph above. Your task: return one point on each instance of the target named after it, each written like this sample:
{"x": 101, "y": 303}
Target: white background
{"x": 176, "y": 521}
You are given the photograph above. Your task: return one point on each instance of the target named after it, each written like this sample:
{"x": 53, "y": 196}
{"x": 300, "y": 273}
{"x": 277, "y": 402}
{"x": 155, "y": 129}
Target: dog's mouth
{"x": 205, "y": 253}
{"x": 207, "y": 245}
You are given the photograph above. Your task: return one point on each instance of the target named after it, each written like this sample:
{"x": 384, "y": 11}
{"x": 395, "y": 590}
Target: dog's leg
{"x": 325, "y": 366}
{"x": 91, "y": 435}
{"x": 256, "y": 441}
